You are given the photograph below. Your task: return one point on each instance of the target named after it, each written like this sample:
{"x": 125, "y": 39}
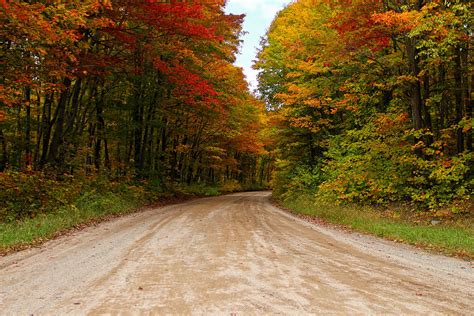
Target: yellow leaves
{"x": 301, "y": 122}
{"x": 316, "y": 103}
{"x": 101, "y": 4}
{"x": 41, "y": 51}
{"x": 183, "y": 148}
{"x": 101, "y": 22}
{"x": 294, "y": 75}
{"x": 296, "y": 89}
{"x": 106, "y": 3}
{"x": 406, "y": 79}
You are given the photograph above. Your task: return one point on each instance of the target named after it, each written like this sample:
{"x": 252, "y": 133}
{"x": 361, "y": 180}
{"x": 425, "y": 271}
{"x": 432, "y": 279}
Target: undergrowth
{"x": 34, "y": 208}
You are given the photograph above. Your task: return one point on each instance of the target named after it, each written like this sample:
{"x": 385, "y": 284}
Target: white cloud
{"x": 249, "y": 4}
{"x": 259, "y": 15}
{"x": 257, "y": 5}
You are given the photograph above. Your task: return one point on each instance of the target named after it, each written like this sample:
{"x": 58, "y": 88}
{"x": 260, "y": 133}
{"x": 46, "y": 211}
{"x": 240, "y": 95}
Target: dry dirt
{"x": 235, "y": 254}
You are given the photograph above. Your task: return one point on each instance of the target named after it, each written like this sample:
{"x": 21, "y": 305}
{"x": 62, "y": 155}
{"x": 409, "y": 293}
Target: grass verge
{"x": 53, "y": 213}
{"x": 89, "y": 208}
{"x": 450, "y": 239}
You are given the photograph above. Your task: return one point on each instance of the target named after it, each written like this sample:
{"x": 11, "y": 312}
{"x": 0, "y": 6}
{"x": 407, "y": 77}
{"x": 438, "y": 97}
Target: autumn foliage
{"x": 127, "y": 89}
{"x": 372, "y": 100}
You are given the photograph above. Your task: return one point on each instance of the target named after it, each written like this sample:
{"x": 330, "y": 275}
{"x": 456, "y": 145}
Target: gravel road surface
{"x": 234, "y": 254}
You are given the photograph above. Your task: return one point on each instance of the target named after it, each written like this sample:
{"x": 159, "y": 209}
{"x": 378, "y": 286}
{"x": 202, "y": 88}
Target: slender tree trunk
{"x": 469, "y": 106}
{"x": 28, "y": 158}
{"x": 137, "y": 121}
{"x": 18, "y": 145}
{"x": 467, "y": 91}
{"x": 90, "y": 146}
{"x": 108, "y": 163}
{"x": 443, "y": 105}
{"x": 459, "y": 100}
{"x": 74, "y": 106}
{"x": 99, "y": 135}
{"x": 57, "y": 139}
{"x": 38, "y": 131}
{"x": 4, "y": 157}
{"x": 426, "y": 111}
{"x": 46, "y": 129}
{"x": 174, "y": 159}
{"x": 415, "y": 89}
{"x": 163, "y": 141}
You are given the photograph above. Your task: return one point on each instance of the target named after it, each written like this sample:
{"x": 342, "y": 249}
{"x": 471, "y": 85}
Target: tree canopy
{"x": 136, "y": 88}
{"x": 371, "y": 100}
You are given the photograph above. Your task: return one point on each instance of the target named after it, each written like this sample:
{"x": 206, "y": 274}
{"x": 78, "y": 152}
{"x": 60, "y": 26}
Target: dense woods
{"x": 124, "y": 90}
{"x": 371, "y": 100}
{"x": 366, "y": 101}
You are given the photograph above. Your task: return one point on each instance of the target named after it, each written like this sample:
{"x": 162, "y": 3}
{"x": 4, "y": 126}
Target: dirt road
{"x": 230, "y": 254}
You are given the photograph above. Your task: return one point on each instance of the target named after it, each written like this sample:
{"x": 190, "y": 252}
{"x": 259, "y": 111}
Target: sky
{"x": 259, "y": 16}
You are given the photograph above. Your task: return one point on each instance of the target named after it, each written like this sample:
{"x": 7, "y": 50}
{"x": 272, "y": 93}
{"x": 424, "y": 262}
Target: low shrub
{"x": 25, "y": 195}
{"x": 375, "y": 167}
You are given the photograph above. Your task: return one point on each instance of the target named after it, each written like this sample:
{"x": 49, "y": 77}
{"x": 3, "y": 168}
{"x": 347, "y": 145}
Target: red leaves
{"x": 168, "y": 36}
{"x": 357, "y": 26}
{"x": 171, "y": 19}
{"x": 94, "y": 36}
{"x": 189, "y": 87}
{"x": 122, "y": 35}
{"x": 192, "y": 89}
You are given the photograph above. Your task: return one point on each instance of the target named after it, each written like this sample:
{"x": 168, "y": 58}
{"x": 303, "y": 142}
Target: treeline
{"x": 127, "y": 89}
{"x": 372, "y": 99}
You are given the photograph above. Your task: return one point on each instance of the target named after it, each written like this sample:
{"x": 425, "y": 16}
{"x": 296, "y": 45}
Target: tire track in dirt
{"x": 231, "y": 254}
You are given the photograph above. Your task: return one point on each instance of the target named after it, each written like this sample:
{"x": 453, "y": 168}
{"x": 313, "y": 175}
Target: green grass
{"x": 100, "y": 201}
{"x": 450, "y": 239}
{"x": 199, "y": 190}
{"x": 228, "y": 187}
{"x": 87, "y": 208}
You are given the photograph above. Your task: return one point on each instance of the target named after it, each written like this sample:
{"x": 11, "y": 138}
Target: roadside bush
{"x": 198, "y": 189}
{"x": 29, "y": 194}
{"x": 437, "y": 182}
{"x": 256, "y": 187}
{"x": 231, "y": 186}
{"x": 362, "y": 167}
{"x": 374, "y": 165}
{"x": 289, "y": 180}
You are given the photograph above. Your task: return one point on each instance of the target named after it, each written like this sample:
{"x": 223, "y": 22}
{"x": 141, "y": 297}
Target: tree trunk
{"x": 4, "y": 157}
{"x": 469, "y": 106}
{"x": 74, "y": 106}
{"x": 415, "y": 89}
{"x": 28, "y": 158}
{"x": 459, "y": 100}
{"x": 100, "y": 125}
{"x": 426, "y": 111}
{"x": 46, "y": 129}
{"x": 137, "y": 121}
{"x": 467, "y": 92}
{"x": 57, "y": 140}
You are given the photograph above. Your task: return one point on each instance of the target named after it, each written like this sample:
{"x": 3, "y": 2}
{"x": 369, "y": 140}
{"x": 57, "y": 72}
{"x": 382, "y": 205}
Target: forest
{"x": 153, "y": 163}
{"x": 371, "y": 101}
{"x": 106, "y": 104}
{"x": 99, "y": 93}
